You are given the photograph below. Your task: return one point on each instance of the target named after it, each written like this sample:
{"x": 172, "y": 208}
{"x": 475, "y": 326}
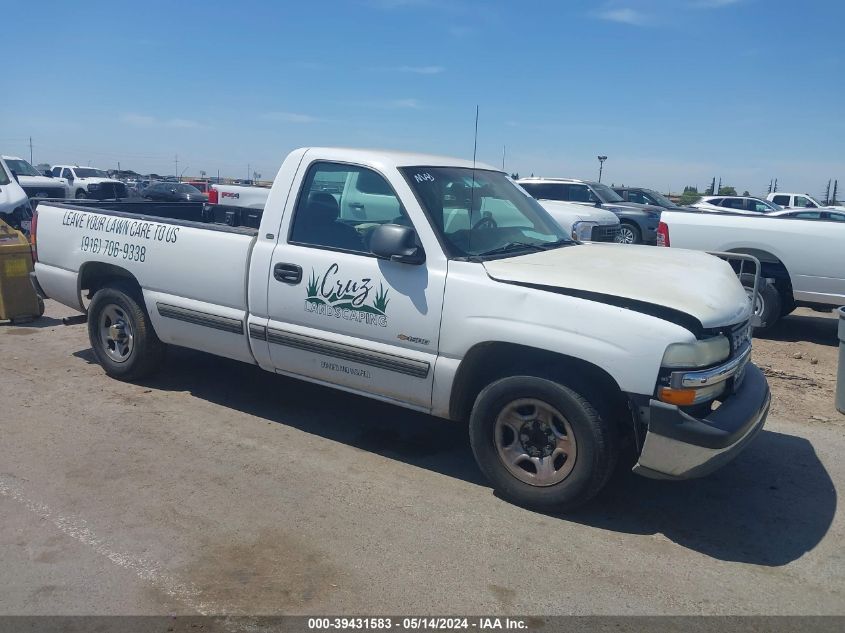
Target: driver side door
{"x": 339, "y": 315}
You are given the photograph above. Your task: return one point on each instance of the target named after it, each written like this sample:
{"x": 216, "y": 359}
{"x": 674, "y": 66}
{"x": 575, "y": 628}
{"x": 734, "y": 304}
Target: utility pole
{"x": 248, "y": 176}
{"x": 503, "y": 157}
{"x": 770, "y": 185}
{"x": 835, "y": 188}
{"x": 775, "y": 190}
{"x": 176, "y": 163}
{"x": 30, "y": 150}
{"x": 827, "y": 194}
{"x": 719, "y": 190}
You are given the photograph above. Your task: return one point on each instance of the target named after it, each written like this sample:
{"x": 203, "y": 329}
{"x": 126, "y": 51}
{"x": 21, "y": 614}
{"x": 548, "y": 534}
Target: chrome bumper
{"x": 679, "y": 446}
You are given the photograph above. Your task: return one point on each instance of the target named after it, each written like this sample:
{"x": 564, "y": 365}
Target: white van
{"x": 14, "y": 205}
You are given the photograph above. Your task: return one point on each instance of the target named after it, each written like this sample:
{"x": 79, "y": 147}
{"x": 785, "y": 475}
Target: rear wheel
{"x": 121, "y": 334}
{"x": 540, "y": 443}
{"x": 768, "y": 306}
{"x": 629, "y": 234}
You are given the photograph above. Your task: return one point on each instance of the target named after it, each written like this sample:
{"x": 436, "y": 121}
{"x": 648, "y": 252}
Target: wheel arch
{"x": 771, "y": 268}
{"x": 95, "y": 275}
{"x": 492, "y": 360}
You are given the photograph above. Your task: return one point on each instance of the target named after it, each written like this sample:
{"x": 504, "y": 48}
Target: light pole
{"x": 601, "y": 164}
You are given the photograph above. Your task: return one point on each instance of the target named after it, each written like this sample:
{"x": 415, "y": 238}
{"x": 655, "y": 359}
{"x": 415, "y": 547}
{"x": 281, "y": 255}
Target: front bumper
{"x": 679, "y": 446}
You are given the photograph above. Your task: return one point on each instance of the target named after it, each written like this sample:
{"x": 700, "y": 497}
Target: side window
{"x": 733, "y": 203}
{"x": 781, "y": 200}
{"x": 547, "y": 191}
{"x": 56, "y": 171}
{"x": 838, "y": 217}
{"x": 636, "y": 196}
{"x": 808, "y": 215}
{"x": 340, "y": 205}
{"x": 804, "y": 202}
{"x": 756, "y": 206}
{"x": 66, "y": 173}
{"x": 580, "y": 193}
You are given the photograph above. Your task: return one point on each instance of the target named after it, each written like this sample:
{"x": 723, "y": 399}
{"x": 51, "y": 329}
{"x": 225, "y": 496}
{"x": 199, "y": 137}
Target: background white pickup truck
{"x": 448, "y": 291}
{"x": 799, "y": 201}
{"x": 803, "y": 261}
{"x": 90, "y": 182}
{"x": 35, "y": 184}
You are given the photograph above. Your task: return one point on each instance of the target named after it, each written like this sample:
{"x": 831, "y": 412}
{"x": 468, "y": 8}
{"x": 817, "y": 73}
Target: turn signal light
{"x": 680, "y": 397}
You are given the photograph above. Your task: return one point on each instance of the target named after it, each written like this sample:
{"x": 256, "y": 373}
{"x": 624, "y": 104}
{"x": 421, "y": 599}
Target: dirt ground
{"x": 799, "y": 357}
{"x": 218, "y": 488}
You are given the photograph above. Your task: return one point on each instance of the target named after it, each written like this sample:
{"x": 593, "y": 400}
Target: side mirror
{"x": 396, "y": 243}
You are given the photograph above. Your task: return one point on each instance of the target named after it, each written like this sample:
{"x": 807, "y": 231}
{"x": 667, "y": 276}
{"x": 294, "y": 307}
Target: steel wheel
{"x": 116, "y": 333}
{"x": 759, "y": 304}
{"x": 626, "y": 235}
{"x": 535, "y": 442}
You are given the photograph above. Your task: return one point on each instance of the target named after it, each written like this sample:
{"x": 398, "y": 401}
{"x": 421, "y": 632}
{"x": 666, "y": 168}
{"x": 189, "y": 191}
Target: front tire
{"x": 541, "y": 444}
{"x": 629, "y": 234}
{"x": 81, "y": 194}
{"x": 121, "y": 334}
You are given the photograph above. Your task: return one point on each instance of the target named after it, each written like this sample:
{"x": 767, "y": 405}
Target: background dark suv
{"x": 638, "y": 221}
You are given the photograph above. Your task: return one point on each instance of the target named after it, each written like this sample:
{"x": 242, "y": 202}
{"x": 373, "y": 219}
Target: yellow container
{"x": 18, "y": 299}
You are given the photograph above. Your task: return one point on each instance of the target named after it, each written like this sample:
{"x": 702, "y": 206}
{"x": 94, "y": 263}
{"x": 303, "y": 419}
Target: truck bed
{"x": 210, "y": 216}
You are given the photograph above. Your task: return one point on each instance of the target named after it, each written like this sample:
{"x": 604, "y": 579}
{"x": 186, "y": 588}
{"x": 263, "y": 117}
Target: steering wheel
{"x": 487, "y": 222}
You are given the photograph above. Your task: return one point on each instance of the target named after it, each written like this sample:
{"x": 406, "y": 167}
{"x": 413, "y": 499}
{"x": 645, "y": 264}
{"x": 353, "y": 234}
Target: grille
{"x": 44, "y": 192}
{"x": 606, "y": 233}
{"x": 739, "y": 334}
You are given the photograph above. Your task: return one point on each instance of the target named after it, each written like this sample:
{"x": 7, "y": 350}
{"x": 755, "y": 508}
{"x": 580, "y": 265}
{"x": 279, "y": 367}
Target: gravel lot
{"x": 218, "y": 488}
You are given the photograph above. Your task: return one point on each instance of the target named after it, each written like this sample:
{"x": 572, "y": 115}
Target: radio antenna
{"x": 472, "y": 188}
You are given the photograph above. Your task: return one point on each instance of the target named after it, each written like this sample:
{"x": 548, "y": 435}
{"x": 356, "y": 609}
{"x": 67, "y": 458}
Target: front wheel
{"x": 121, "y": 334}
{"x": 540, "y": 443}
{"x": 629, "y": 234}
{"x": 81, "y": 195}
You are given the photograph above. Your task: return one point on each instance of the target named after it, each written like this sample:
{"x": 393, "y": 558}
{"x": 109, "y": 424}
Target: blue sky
{"x": 673, "y": 91}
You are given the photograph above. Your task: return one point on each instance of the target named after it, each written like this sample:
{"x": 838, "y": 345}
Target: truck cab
{"x": 799, "y": 201}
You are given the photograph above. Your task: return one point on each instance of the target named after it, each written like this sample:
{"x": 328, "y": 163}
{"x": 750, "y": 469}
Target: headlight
{"x": 698, "y": 354}
{"x": 94, "y": 186}
{"x": 583, "y": 231}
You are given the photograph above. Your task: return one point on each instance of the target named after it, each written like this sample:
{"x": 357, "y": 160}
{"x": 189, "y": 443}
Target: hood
{"x": 41, "y": 181}
{"x": 574, "y": 212}
{"x": 95, "y": 179}
{"x": 634, "y": 206}
{"x": 11, "y": 197}
{"x": 658, "y": 281}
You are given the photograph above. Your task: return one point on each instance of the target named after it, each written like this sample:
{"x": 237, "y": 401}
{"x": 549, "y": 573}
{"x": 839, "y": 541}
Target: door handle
{"x": 287, "y": 273}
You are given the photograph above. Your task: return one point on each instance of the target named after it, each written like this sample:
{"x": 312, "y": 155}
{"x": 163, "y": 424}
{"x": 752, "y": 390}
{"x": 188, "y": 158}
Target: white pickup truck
{"x": 458, "y": 296}
{"x": 803, "y": 261}
{"x": 238, "y": 196}
{"x": 799, "y": 201}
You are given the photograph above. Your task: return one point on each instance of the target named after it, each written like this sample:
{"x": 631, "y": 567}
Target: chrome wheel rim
{"x": 626, "y": 236}
{"x": 535, "y": 442}
{"x": 759, "y": 303}
{"x": 116, "y": 334}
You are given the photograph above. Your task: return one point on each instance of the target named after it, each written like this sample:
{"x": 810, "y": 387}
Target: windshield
{"x": 605, "y": 193}
{"x": 479, "y": 213}
{"x": 89, "y": 172}
{"x": 659, "y": 198}
{"x": 21, "y": 167}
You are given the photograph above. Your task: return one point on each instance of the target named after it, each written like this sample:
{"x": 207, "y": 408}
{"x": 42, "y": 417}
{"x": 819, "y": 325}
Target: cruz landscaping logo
{"x": 333, "y": 295}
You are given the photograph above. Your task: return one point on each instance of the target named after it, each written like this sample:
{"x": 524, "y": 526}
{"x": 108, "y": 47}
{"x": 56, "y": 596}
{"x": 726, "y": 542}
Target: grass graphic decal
{"x": 333, "y": 295}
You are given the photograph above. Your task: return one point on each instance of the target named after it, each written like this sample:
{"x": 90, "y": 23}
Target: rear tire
{"x": 768, "y": 306}
{"x": 629, "y": 234}
{"x": 541, "y": 444}
{"x": 121, "y": 334}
